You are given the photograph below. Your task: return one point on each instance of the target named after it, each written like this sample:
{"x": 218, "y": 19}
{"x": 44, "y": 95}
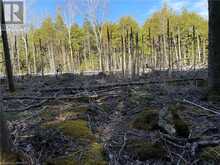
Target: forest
{"x": 106, "y": 92}
{"x": 167, "y": 40}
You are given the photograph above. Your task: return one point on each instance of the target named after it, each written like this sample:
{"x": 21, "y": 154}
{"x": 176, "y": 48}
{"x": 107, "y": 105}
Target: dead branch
{"x": 34, "y": 115}
{"x": 29, "y": 107}
{"x": 181, "y": 157}
{"x": 201, "y": 107}
{"x": 204, "y": 143}
{"x": 47, "y": 98}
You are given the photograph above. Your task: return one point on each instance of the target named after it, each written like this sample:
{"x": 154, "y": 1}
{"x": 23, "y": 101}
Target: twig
{"x": 123, "y": 145}
{"x": 181, "y": 157}
{"x": 172, "y": 143}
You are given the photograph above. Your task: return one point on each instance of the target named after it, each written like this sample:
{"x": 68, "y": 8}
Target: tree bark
{"x": 5, "y": 144}
{"x": 8, "y": 65}
{"x": 214, "y": 49}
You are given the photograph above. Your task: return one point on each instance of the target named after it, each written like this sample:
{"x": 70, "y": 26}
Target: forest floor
{"x": 97, "y": 120}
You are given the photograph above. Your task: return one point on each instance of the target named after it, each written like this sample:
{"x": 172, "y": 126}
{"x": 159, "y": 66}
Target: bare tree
{"x": 71, "y": 10}
{"x": 4, "y": 141}
{"x": 96, "y": 13}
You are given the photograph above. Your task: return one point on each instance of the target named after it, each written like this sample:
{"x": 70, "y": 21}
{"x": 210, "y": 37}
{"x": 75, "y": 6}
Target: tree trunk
{"x": 179, "y": 48}
{"x": 34, "y": 57}
{"x": 41, "y": 59}
{"x": 4, "y": 134}
{"x": 9, "y": 70}
{"x": 194, "y": 49}
{"x": 16, "y": 55}
{"x": 53, "y": 58}
{"x": 132, "y": 55}
{"x": 204, "y": 55}
{"x": 109, "y": 51}
{"x": 71, "y": 50}
{"x": 198, "y": 47}
{"x": 63, "y": 52}
{"x": 123, "y": 56}
{"x": 25, "y": 39}
{"x": 5, "y": 144}
{"x": 169, "y": 50}
{"x": 214, "y": 49}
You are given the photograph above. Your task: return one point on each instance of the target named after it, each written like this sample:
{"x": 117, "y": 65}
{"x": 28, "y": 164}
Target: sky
{"x": 139, "y": 9}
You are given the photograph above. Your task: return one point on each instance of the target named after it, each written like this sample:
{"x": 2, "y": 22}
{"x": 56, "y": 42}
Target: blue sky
{"x": 139, "y": 9}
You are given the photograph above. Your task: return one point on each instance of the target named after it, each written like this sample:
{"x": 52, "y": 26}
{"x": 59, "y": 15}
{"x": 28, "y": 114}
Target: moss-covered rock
{"x": 76, "y": 129}
{"x": 166, "y": 121}
{"x": 210, "y": 154}
{"x": 146, "y": 120}
{"x": 180, "y": 126}
{"x": 145, "y": 150}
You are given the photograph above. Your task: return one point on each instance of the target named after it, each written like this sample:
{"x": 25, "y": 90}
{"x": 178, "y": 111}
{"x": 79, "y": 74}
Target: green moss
{"x": 63, "y": 161}
{"x": 9, "y": 158}
{"x": 79, "y": 109}
{"x": 14, "y": 115}
{"x": 48, "y": 115}
{"x": 180, "y": 126}
{"x": 68, "y": 160}
{"x": 77, "y": 129}
{"x": 146, "y": 120}
{"x": 210, "y": 153}
{"x": 95, "y": 155}
{"x": 202, "y": 83}
{"x": 72, "y": 115}
{"x": 139, "y": 97}
{"x": 84, "y": 99}
{"x": 146, "y": 150}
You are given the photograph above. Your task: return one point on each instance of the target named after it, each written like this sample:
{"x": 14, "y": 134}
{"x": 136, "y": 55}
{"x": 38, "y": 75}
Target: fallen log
{"x": 100, "y": 87}
{"x": 29, "y": 107}
{"x": 46, "y": 98}
{"x": 77, "y": 98}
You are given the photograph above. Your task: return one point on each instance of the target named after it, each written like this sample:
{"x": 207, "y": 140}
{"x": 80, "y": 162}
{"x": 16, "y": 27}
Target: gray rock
{"x": 166, "y": 121}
